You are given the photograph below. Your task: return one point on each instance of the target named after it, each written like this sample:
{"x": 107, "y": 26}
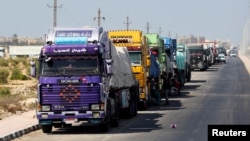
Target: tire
{"x": 189, "y": 76}
{"x": 135, "y": 107}
{"x": 114, "y": 121}
{"x": 143, "y": 105}
{"x": 132, "y": 109}
{"x": 135, "y": 101}
{"x": 128, "y": 112}
{"x": 104, "y": 127}
{"x": 46, "y": 128}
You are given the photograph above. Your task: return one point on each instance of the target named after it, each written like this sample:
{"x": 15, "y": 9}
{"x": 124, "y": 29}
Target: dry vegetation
{"x": 17, "y": 88}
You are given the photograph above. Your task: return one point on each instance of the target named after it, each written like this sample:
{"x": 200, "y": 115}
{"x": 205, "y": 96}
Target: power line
{"x": 55, "y": 12}
{"x": 72, "y": 17}
{"x": 99, "y": 17}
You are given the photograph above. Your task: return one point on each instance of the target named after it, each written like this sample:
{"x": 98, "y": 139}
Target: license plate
{"x": 70, "y": 120}
{"x": 69, "y": 81}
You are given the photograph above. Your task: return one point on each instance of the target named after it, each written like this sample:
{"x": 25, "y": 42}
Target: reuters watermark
{"x": 235, "y": 132}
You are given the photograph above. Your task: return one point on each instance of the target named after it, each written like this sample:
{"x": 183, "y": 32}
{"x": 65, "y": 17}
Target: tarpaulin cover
{"x": 154, "y": 69}
{"x": 180, "y": 60}
{"x": 122, "y": 74}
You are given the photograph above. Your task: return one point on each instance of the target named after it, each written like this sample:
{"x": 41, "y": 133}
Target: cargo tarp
{"x": 154, "y": 69}
{"x": 180, "y": 60}
{"x": 122, "y": 74}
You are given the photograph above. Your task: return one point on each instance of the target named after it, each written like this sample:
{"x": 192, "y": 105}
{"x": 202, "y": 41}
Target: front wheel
{"x": 46, "y": 128}
{"x": 189, "y": 76}
{"x": 104, "y": 127}
{"x": 143, "y": 105}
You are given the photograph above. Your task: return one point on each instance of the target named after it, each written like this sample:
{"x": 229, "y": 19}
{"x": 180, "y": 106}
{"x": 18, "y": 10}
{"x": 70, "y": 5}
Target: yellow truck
{"x": 137, "y": 46}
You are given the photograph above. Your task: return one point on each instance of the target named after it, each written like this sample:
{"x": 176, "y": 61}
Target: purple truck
{"x": 84, "y": 80}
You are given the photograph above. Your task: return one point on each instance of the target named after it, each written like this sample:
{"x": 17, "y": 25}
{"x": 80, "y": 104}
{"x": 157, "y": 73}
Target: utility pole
{"x": 169, "y": 34}
{"x": 55, "y": 12}
{"x": 160, "y": 31}
{"x": 147, "y": 27}
{"x": 127, "y": 23}
{"x": 99, "y": 18}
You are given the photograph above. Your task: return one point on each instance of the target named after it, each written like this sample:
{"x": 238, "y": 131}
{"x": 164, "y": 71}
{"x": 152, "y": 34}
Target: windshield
{"x": 82, "y": 65}
{"x": 194, "y": 52}
{"x": 135, "y": 58}
{"x": 180, "y": 49}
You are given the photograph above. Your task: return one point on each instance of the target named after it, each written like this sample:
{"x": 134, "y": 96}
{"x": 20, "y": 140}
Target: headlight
{"x": 44, "y": 115}
{"x": 96, "y": 115}
{"x": 95, "y": 107}
{"x": 45, "y": 108}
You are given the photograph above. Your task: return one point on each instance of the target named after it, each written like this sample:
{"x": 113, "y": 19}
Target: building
{"x": 24, "y": 51}
{"x": 2, "y": 52}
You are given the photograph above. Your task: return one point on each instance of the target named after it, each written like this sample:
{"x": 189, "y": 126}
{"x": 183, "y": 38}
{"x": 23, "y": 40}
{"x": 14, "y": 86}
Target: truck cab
{"x": 80, "y": 80}
{"x": 198, "y": 56}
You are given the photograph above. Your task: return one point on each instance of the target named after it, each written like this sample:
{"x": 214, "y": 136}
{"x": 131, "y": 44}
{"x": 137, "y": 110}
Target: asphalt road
{"x": 219, "y": 95}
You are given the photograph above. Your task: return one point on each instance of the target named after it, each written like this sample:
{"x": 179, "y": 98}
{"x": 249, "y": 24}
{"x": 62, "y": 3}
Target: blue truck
{"x": 179, "y": 57}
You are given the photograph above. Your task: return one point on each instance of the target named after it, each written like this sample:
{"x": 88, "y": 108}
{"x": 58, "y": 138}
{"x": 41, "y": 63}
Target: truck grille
{"x": 70, "y": 97}
{"x": 195, "y": 59}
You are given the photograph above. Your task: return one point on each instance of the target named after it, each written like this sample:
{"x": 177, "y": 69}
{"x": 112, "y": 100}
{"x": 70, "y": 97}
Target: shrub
{"x": 4, "y": 91}
{"x": 31, "y": 106}
{"x": 14, "y": 62}
{"x": 3, "y": 62}
{"x": 17, "y": 75}
{"x": 4, "y": 73}
{"x": 10, "y": 104}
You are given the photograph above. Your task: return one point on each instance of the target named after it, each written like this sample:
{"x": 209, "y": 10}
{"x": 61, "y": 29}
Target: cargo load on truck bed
{"x": 121, "y": 69}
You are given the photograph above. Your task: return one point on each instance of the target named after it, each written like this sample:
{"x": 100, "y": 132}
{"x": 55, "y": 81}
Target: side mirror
{"x": 109, "y": 61}
{"x": 109, "y": 66}
{"x": 33, "y": 69}
{"x": 174, "y": 57}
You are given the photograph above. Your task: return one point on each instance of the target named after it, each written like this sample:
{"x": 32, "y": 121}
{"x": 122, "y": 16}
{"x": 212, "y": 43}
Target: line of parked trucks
{"x": 91, "y": 76}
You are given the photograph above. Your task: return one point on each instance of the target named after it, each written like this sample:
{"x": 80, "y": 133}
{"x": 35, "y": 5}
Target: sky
{"x": 213, "y": 19}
